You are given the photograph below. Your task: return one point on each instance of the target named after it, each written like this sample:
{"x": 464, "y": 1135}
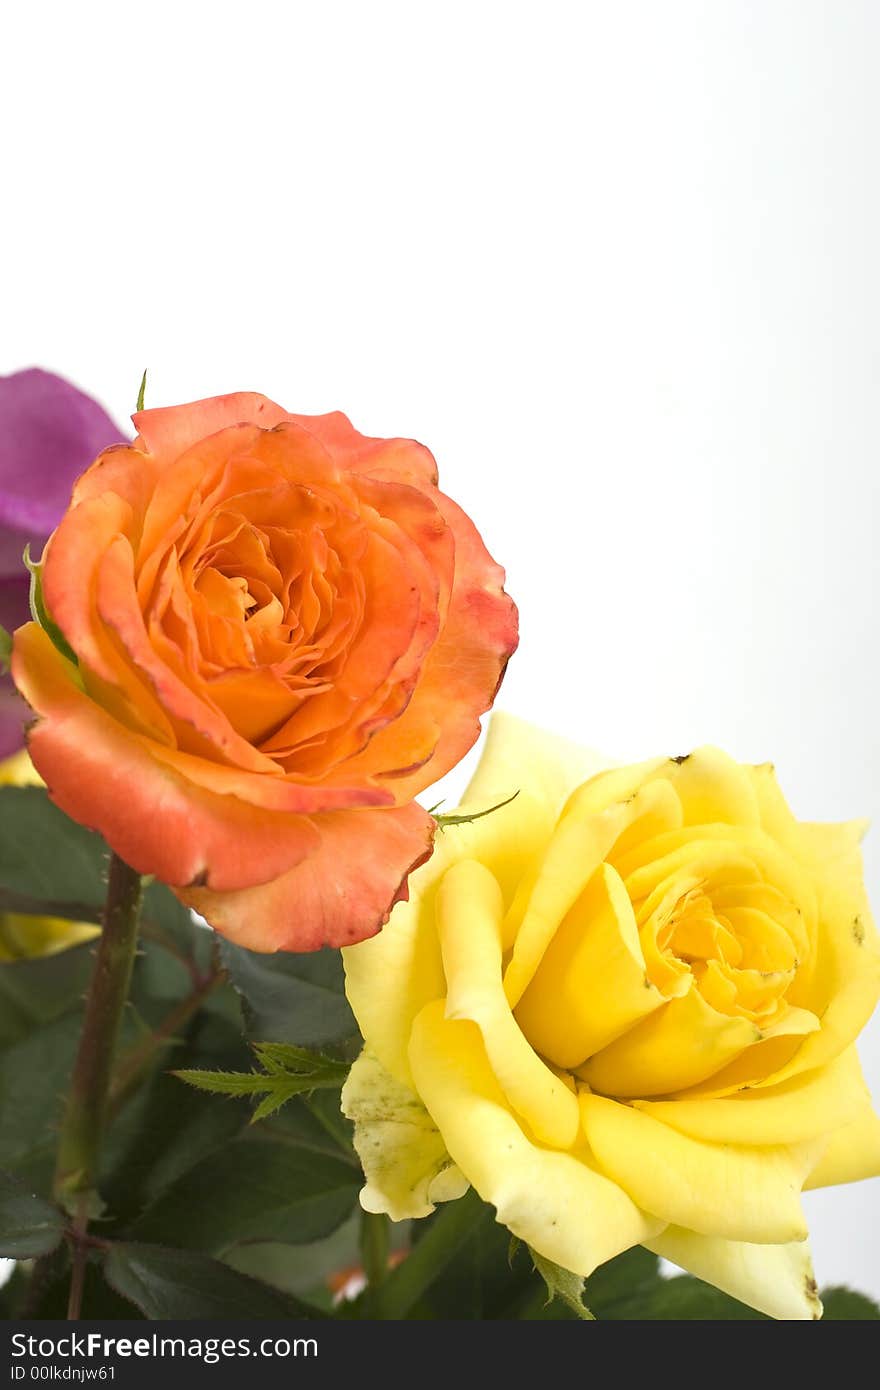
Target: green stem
{"x": 374, "y": 1255}
{"x": 82, "y": 1129}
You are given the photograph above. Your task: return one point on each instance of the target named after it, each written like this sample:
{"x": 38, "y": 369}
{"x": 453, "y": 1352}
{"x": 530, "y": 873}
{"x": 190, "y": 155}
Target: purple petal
{"x": 14, "y": 713}
{"x": 49, "y": 433}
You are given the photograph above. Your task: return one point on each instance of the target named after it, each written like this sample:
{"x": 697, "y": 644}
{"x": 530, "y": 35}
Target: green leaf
{"x": 165, "y": 1129}
{"x": 846, "y": 1305}
{"x": 562, "y": 1284}
{"x": 253, "y": 1189}
{"x": 315, "y": 1122}
{"x": 142, "y": 390}
{"x": 634, "y": 1274}
{"x": 48, "y": 857}
{"x": 39, "y": 611}
{"x": 33, "y": 1081}
{"x": 684, "y": 1299}
{"x": 36, "y": 991}
{"x": 181, "y": 1284}
{"x": 293, "y": 998}
{"x": 28, "y": 1225}
{"x": 465, "y": 818}
{"x": 227, "y": 1083}
{"x": 289, "y": 1071}
{"x": 5, "y": 649}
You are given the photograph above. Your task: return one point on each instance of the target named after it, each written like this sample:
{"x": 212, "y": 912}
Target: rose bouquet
{"x": 596, "y": 1016}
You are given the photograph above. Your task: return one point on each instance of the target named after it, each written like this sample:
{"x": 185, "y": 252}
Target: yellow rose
{"x": 625, "y": 1013}
{"x": 22, "y": 935}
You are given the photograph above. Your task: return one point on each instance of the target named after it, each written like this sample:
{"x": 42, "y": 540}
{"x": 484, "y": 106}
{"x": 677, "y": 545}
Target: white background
{"x": 616, "y": 264}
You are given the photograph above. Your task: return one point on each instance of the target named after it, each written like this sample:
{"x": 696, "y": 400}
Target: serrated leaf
{"x": 291, "y": 998}
{"x": 5, "y": 649}
{"x": 465, "y": 817}
{"x": 182, "y": 1284}
{"x": 226, "y": 1083}
{"x": 39, "y": 611}
{"x": 28, "y": 1226}
{"x": 289, "y": 1071}
{"x": 253, "y": 1189}
{"x": 562, "y": 1284}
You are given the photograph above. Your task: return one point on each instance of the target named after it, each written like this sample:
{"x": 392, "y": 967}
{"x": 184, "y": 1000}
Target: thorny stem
{"x": 82, "y": 1128}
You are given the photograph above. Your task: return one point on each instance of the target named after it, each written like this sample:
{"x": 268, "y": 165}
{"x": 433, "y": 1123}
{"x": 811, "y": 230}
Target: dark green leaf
{"x": 165, "y": 1128}
{"x": 34, "y": 992}
{"x": 683, "y": 1299}
{"x": 39, "y": 611}
{"x": 292, "y": 998}
{"x": 254, "y": 1189}
{"x": 28, "y": 1225}
{"x": 315, "y": 1122}
{"x": 181, "y": 1284}
{"x": 100, "y": 1301}
{"x": 632, "y": 1275}
{"x": 33, "y": 1081}
{"x": 46, "y": 856}
{"x": 846, "y": 1305}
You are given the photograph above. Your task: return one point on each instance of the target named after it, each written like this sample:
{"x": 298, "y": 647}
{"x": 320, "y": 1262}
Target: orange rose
{"x": 283, "y": 632}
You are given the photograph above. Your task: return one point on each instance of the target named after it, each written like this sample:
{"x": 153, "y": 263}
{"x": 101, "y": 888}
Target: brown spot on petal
{"x": 858, "y": 931}
{"x": 682, "y": 758}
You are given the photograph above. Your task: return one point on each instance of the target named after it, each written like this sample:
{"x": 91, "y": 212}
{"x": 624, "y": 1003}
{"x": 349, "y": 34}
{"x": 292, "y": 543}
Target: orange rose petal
{"x": 118, "y": 610}
{"x": 391, "y": 458}
{"x": 122, "y": 469}
{"x": 172, "y": 429}
{"x": 156, "y": 820}
{"x": 277, "y": 793}
{"x": 341, "y": 893}
{"x": 462, "y": 672}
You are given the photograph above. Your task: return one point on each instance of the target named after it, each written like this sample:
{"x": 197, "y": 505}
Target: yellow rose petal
{"x": 681, "y": 1044}
{"x": 738, "y": 1192}
{"x": 578, "y": 846}
{"x": 712, "y": 787}
{"x": 18, "y": 771}
{"x": 776, "y": 1279}
{"x": 520, "y": 757}
{"x": 556, "y": 1202}
{"x": 389, "y": 978}
{"x": 469, "y": 916}
{"x": 404, "y": 1158}
{"x": 591, "y": 984}
{"x": 853, "y": 1153}
{"x": 798, "y": 1109}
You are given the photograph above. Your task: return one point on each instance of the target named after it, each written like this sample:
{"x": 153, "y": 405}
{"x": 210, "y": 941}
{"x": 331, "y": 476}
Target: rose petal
{"x": 105, "y": 777}
{"x": 776, "y": 1279}
{"x": 341, "y": 892}
{"x": 556, "y": 1202}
